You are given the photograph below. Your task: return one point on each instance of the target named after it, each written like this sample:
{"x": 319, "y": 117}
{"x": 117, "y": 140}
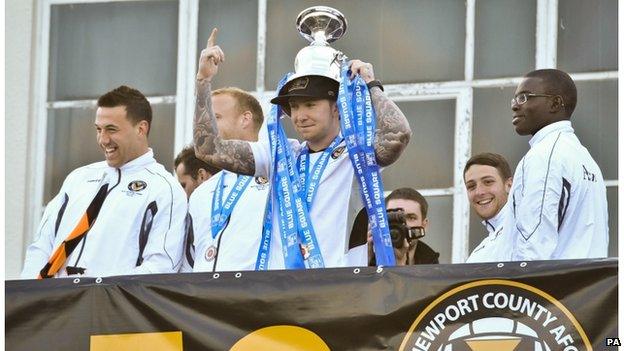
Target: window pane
{"x": 595, "y": 121}
{"x": 440, "y": 231}
{"x": 402, "y": 39}
{"x": 427, "y": 162}
{"x": 588, "y": 39}
{"x": 504, "y": 38}
{"x": 237, "y": 38}
{"x": 612, "y": 198}
{"x": 97, "y": 47}
{"x": 71, "y": 142}
{"x": 492, "y": 130}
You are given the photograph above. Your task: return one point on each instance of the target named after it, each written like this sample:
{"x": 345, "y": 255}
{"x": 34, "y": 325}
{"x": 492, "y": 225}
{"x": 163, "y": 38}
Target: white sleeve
{"x": 262, "y": 155}
{"x": 188, "y": 255}
{"x": 200, "y": 207}
{"x": 165, "y": 245}
{"x": 536, "y": 214}
{"x": 39, "y": 252}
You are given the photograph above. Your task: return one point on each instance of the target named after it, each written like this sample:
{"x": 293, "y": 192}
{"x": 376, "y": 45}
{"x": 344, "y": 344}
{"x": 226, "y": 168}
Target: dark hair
{"x": 490, "y": 159}
{"x": 410, "y": 194}
{"x": 137, "y": 107}
{"x": 558, "y": 82}
{"x": 192, "y": 164}
{"x": 244, "y": 102}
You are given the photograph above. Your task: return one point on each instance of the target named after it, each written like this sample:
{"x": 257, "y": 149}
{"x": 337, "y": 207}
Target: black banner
{"x": 545, "y": 305}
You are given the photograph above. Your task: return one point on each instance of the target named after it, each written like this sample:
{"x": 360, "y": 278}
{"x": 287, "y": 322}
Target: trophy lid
{"x": 321, "y": 25}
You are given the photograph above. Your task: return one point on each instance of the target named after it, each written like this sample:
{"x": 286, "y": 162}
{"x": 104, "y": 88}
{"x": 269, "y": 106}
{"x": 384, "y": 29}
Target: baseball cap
{"x": 312, "y": 86}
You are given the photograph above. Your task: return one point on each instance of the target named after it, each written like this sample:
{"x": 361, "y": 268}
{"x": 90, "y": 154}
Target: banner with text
{"x": 557, "y": 305}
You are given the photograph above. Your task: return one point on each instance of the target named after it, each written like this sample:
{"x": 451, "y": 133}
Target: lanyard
{"x": 357, "y": 121}
{"x": 221, "y": 211}
{"x": 299, "y": 245}
{"x": 310, "y": 181}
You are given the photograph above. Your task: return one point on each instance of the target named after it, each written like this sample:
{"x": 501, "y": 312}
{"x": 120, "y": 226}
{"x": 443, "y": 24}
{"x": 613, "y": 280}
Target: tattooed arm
{"x": 234, "y": 155}
{"x": 393, "y": 130}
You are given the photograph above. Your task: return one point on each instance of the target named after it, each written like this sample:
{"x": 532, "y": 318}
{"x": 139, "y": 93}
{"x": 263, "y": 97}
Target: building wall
{"x": 488, "y": 46}
{"x": 18, "y": 79}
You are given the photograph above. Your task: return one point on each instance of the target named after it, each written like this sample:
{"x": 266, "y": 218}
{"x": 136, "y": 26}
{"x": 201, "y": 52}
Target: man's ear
{"x": 508, "y": 184}
{"x": 557, "y": 104}
{"x": 246, "y": 119}
{"x": 425, "y": 223}
{"x": 143, "y": 127}
{"x": 334, "y": 109}
{"x": 202, "y": 175}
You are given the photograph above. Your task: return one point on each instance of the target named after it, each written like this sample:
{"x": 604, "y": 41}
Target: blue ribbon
{"x": 357, "y": 121}
{"x": 311, "y": 180}
{"x": 221, "y": 211}
{"x": 294, "y": 217}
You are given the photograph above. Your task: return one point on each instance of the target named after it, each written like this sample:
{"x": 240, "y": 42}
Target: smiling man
{"x": 559, "y": 202}
{"x": 310, "y": 101}
{"x": 487, "y": 177}
{"x": 124, "y": 215}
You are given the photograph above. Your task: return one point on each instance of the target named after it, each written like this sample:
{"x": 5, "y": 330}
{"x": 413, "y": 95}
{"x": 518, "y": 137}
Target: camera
{"x": 399, "y": 230}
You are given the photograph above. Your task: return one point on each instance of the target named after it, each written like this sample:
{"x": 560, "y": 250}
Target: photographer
{"x": 407, "y": 217}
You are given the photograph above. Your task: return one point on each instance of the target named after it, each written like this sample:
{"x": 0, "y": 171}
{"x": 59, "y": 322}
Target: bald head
{"x": 557, "y": 82}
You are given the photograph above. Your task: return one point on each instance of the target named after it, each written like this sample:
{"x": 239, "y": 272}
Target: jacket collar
{"x": 139, "y": 162}
{"x": 561, "y": 126}
{"x": 495, "y": 222}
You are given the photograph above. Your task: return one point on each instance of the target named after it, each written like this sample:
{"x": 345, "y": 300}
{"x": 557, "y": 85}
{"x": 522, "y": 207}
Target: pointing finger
{"x": 213, "y": 38}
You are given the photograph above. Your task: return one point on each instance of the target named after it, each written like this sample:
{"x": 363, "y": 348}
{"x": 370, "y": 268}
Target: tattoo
{"x": 393, "y": 130}
{"x": 234, "y": 155}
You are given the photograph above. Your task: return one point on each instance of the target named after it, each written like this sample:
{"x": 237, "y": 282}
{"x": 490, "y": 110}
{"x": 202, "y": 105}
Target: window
{"x": 451, "y": 65}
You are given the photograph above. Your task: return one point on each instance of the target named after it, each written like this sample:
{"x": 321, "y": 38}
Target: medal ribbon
{"x": 311, "y": 181}
{"x": 357, "y": 121}
{"x": 221, "y": 211}
{"x": 296, "y": 230}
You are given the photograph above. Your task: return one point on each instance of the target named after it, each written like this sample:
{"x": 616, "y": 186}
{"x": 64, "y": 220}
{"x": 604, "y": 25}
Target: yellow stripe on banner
{"x": 165, "y": 341}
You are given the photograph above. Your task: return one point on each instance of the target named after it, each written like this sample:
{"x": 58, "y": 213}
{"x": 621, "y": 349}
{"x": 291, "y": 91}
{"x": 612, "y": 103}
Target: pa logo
{"x": 613, "y": 342}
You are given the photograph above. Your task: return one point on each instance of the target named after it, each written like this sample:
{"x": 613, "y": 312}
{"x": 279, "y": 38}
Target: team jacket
{"x": 236, "y": 246}
{"x": 496, "y": 247}
{"x": 558, "y": 199}
{"x": 140, "y": 227}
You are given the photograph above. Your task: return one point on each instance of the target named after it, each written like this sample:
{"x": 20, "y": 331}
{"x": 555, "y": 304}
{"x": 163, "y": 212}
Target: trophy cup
{"x": 320, "y": 25}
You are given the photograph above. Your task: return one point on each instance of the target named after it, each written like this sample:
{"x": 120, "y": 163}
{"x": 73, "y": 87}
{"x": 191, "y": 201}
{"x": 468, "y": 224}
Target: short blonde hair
{"x": 244, "y": 102}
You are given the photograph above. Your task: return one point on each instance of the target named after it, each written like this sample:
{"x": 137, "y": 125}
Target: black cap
{"x": 318, "y": 87}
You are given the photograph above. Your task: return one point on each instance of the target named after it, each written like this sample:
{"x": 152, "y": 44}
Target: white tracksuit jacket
{"x": 236, "y": 247}
{"x": 146, "y": 202}
{"x": 496, "y": 247}
{"x": 558, "y": 200}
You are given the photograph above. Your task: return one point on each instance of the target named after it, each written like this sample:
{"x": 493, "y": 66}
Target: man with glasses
{"x": 558, "y": 197}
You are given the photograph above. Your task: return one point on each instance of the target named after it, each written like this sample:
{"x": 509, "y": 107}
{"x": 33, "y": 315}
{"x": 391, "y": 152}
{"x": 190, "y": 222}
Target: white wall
{"x": 19, "y": 15}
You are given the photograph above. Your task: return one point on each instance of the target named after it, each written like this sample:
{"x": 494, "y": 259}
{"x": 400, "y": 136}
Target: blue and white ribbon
{"x": 221, "y": 211}
{"x": 357, "y": 121}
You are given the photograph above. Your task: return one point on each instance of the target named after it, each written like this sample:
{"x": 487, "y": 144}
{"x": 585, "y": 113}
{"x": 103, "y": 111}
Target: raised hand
{"x": 210, "y": 58}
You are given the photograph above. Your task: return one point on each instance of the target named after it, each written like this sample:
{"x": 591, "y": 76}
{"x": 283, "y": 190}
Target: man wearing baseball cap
{"x": 310, "y": 101}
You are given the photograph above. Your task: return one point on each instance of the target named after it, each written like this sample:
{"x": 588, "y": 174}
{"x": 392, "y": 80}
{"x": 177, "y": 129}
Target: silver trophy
{"x": 320, "y": 25}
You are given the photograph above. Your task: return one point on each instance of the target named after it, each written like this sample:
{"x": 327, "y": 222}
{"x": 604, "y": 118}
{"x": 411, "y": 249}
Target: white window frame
{"x": 188, "y": 26}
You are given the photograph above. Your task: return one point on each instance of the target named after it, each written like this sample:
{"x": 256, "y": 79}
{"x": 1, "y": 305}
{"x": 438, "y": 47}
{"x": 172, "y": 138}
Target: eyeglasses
{"x": 521, "y": 99}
